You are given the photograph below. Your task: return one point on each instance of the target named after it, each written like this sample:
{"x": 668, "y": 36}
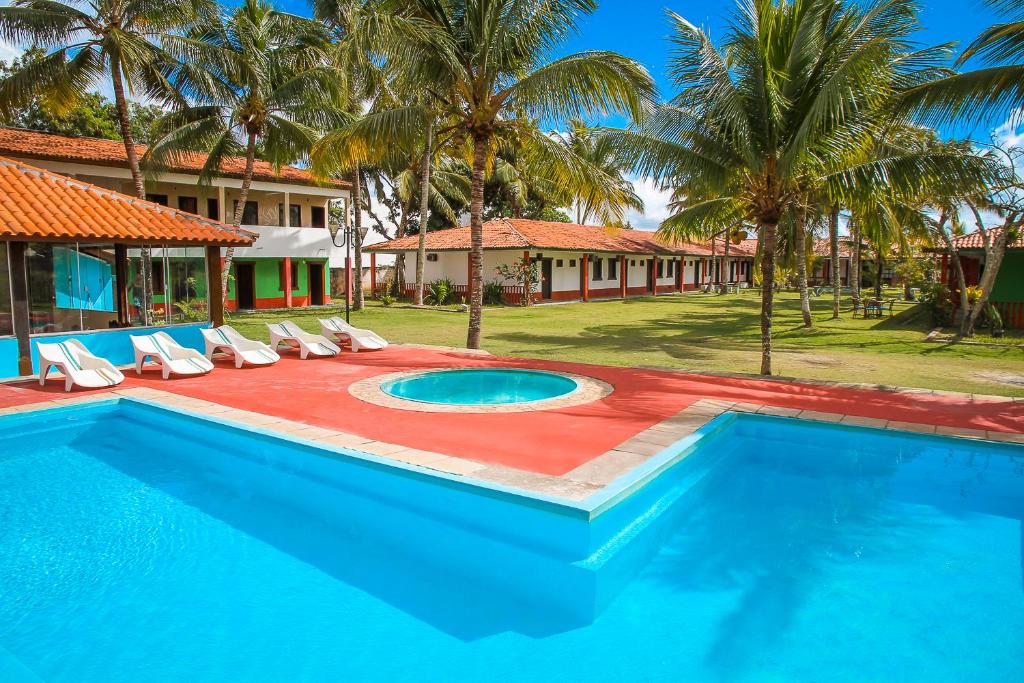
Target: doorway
{"x": 650, "y": 275}
{"x": 316, "y": 284}
{"x": 545, "y": 279}
{"x": 245, "y": 285}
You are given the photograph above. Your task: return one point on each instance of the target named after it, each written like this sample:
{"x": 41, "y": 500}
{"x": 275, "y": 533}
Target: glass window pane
{"x": 187, "y": 284}
{"x": 97, "y": 286}
{"x": 53, "y": 288}
{"x": 154, "y": 256}
{"x": 6, "y": 317}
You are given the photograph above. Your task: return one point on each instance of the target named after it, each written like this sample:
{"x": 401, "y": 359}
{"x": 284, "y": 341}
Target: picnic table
{"x": 873, "y": 308}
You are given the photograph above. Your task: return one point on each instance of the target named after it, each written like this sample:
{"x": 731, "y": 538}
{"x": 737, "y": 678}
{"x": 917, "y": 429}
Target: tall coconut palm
{"x": 251, "y": 77}
{"x": 793, "y": 88}
{"x": 88, "y": 41}
{"x": 997, "y": 87}
{"x": 488, "y": 59}
{"x": 598, "y": 148}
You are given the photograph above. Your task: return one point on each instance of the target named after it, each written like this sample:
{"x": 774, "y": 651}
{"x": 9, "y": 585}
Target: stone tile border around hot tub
{"x": 593, "y": 478}
{"x": 588, "y": 390}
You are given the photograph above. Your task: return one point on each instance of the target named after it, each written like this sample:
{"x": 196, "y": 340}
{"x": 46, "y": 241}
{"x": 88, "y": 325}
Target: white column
{"x": 222, "y": 204}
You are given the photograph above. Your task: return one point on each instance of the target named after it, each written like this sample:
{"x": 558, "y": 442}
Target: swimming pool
{"x": 143, "y": 544}
{"x": 480, "y": 386}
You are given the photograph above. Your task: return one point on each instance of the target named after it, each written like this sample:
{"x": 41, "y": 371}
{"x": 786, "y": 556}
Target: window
{"x": 213, "y": 209}
{"x": 295, "y": 275}
{"x": 250, "y": 214}
{"x": 190, "y": 204}
{"x": 632, "y": 262}
{"x": 558, "y": 263}
{"x": 187, "y": 271}
{"x": 432, "y": 257}
{"x": 70, "y": 287}
{"x": 318, "y": 218}
{"x": 158, "y": 276}
{"x": 295, "y": 215}
{"x": 572, "y": 263}
{"x": 160, "y": 199}
{"x": 6, "y": 317}
{"x": 613, "y": 266}
{"x": 598, "y": 269}
{"x": 661, "y": 267}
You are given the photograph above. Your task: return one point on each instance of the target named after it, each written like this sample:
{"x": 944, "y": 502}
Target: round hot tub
{"x": 481, "y": 387}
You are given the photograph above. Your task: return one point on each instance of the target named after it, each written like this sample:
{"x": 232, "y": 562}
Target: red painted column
{"x": 681, "y": 274}
{"x": 373, "y": 273}
{"x": 287, "y": 284}
{"x": 585, "y": 277}
{"x": 623, "y": 276}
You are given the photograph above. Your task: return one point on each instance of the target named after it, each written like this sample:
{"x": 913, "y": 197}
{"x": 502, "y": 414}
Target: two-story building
{"x": 288, "y": 264}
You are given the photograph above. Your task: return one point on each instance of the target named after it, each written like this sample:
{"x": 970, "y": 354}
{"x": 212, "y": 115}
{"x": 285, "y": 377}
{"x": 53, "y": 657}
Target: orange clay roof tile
{"x": 41, "y": 205}
{"x": 974, "y": 240}
{"x": 30, "y": 144}
{"x": 521, "y": 233}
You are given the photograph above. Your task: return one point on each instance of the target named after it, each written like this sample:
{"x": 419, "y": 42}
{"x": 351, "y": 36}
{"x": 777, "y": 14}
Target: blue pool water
{"x": 480, "y": 386}
{"x": 140, "y": 545}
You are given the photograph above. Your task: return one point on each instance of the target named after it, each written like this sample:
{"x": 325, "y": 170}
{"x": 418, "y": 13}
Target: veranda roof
{"x": 40, "y": 205}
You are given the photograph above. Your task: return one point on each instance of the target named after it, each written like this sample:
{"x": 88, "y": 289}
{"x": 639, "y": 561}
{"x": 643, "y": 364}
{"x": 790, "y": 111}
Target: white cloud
{"x": 1011, "y": 133}
{"x": 9, "y": 51}
{"x": 656, "y": 202}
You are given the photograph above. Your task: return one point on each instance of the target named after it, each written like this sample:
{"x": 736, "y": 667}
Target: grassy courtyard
{"x": 705, "y": 332}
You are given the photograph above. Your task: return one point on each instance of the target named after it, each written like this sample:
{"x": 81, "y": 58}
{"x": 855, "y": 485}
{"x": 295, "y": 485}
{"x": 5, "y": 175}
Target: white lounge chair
{"x": 227, "y": 338}
{"x": 171, "y": 356}
{"x": 356, "y": 337}
{"x": 77, "y": 364}
{"x": 307, "y": 342}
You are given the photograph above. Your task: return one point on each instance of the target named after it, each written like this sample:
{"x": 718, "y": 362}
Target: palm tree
{"x": 598, "y": 148}
{"x": 86, "y": 41}
{"x": 996, "y": 87}
{"x": 796, "y": 89}
{"x": 485, "y": 57}
{"x": 253, "y": 78}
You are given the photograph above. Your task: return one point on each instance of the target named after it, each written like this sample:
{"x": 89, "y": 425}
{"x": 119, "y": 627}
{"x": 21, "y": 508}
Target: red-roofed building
{"x": 70, "y": 258}
{"x": 578, "y": 262}
{"x": 1008, "y": 291}
{"x": 287, "y": 265}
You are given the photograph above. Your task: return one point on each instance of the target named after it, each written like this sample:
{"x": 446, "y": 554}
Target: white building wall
{"x": 637, "y": 271}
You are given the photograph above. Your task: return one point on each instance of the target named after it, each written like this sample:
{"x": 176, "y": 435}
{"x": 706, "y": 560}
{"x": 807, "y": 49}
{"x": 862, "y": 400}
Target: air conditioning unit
{"x": 432, "y": 257}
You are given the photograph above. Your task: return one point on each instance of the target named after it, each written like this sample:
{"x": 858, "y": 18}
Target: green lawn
{"x": 705, "y": 332}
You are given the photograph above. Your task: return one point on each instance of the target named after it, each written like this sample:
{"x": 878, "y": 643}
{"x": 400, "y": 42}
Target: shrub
{"x": 493, "y": 293}
{"x": 439, "y": 292}
{"x": 387, "y": 299}
{"x": 936, "y": 299}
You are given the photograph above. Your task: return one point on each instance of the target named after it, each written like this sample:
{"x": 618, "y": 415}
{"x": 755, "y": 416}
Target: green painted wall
{"x": 1010, "y": 282}
{"x": 268, "y": 277}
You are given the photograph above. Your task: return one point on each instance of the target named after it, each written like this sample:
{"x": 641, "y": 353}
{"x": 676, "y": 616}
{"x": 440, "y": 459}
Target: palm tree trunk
{"x": 801, "y": 264}
{"x": 124, "y": 122}
{"x": 236, "y": 218}
{"x": 421, "y": 247}
{"x": 855, "y": 261}
{"x": 357, "y": 241}
{"x": 958, "y": 270}
{"x": 836, "y": 276}
{"x": 767, "y": 230}
{"x": 879, "y": 263}
{"x": 476, "y": 252}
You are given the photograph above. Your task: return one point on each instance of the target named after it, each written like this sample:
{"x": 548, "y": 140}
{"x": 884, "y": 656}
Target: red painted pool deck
{"x": 547, "y": 442}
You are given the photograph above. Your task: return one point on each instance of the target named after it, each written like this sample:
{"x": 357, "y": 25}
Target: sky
{"x": 639, "y": 29}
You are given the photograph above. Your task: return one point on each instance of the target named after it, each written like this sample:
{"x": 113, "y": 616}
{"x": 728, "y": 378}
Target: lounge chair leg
{"x": 68, "y": 383}
{"x": 139, "y": 361}
{"x": 303, "y": 353}
{"x": 42, "y": 374}
{"x": 238, "y": 361}
{"x": 165, "y": 371}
